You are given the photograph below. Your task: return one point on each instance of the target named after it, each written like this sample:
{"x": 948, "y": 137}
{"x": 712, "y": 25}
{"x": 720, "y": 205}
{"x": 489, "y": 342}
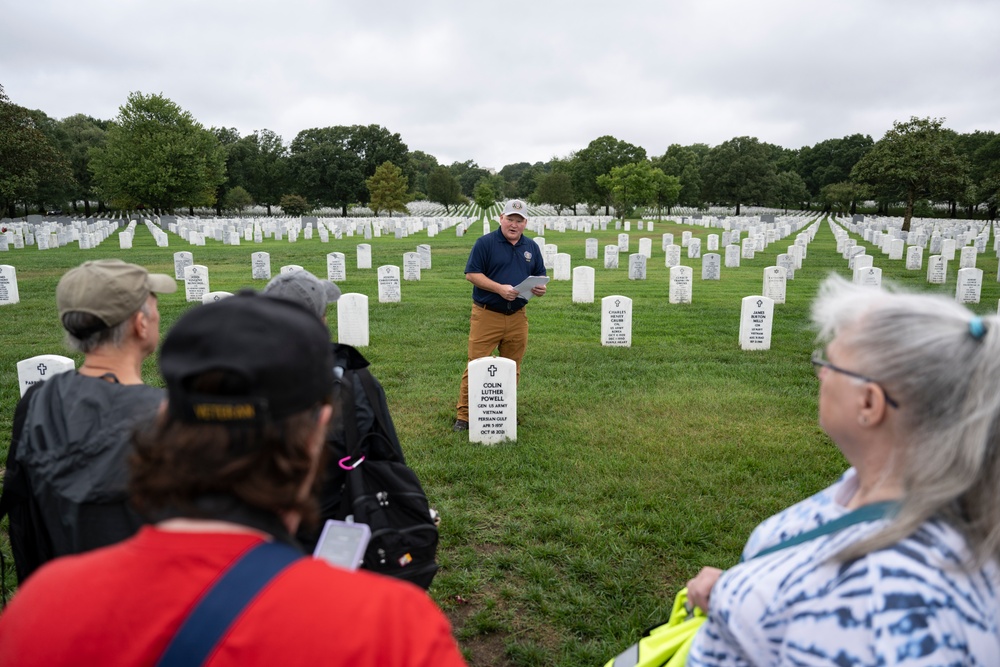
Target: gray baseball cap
{"x": 304, "y": 288}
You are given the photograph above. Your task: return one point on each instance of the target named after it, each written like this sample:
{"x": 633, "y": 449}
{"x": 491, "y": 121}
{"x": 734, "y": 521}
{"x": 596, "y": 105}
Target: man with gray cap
{"x": 499, "y": 261}
{"x": 307, "y": 290}
{"x": 64, "y": 486}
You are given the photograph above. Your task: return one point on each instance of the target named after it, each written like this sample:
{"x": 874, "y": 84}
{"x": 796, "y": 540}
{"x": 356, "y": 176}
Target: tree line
{"x": 155, "y": 155}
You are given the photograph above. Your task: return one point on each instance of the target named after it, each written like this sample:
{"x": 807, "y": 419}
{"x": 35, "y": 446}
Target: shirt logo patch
{"x": 527, "y": 256}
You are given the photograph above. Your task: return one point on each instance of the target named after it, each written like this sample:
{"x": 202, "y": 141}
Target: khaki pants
{"x": 490, "y": 331}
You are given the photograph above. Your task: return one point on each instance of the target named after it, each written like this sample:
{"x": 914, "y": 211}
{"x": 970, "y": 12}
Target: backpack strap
{"x": 215, "y": 612}
{"x": 873, "y": 512}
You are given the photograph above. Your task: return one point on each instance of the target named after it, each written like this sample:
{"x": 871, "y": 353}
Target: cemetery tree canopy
{"x": 739, "y": 171}
{"x": 630, "y": 185}
{"x": 789, "y": 189}
{"x": 325, "y": 168}
{"x": 599, "y": 157}
{"x": 156, "y": 155}
{"x": 910, "y": 162}
{"x": 387, "y": 189}
{"x": 29, "y": 162}
{"x": 666, "y": 191}
{"x": 442, "y": 188}
{"x": 82, "y": 134}
{"x": 483, "y": 194}
{"x": 556, "y": 189}
{"x": 294, "y": 205}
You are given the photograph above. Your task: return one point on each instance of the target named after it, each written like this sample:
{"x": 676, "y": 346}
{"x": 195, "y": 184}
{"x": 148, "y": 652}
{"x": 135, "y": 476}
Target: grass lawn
{"x": 633, "y": 466}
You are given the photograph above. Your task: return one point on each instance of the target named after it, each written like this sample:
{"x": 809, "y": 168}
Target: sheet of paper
{"x": 524, "y": 289}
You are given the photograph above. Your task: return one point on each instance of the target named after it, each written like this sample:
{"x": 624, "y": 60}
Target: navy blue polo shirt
{"x": 497, "y": 259}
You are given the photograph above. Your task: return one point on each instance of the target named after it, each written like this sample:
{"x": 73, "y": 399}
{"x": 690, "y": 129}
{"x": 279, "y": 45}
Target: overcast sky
{"x": 506, "y": 82}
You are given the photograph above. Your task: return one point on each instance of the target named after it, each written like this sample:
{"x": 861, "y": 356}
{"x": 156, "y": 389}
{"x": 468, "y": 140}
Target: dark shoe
{"x": 460, "y": 425}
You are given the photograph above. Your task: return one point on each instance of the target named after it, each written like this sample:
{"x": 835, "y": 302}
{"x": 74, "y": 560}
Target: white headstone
{"x": 388, "y": 284}
{"x": 291, "y": 268}
{"x": 914, "y": 258}
{"x": 623, "y": 243}
{"x": 970, "y": 285}
{"x": 336, "y": 267}
{"x": 352, "y": 319}
{"x": 616, "y": 321}
{"x": 937, "y": 270}
{"x": 681, "y": 279}
{"x": 967, "y": 260}
{"x": 196, "y": 282}
{"x": 711, "y": 266}
{"x": 591, "y": 251}
{"x": 646, "y": 247}
{"x": 210, "y": 297}
{"x": 492, "y": 400}
{"x": 685, "y": 239}
{"x": 364, "y": 256}
{"x": 668, "y": 239}
{"x": 732, "y": 256}
{"x": 637, "y": 266}
{"x": 713, "y": 242}
{"x": 896, "y": 248}
{"x": 8, "y": 285}
{"x": 870, "y": 276}
{"x": 424, "y": 253}
{"x": 583, "y": 284}
{"x": 774, "y": 283}
{"x": 561, "y": 266}
{"x": 411, "y": 266}
{"x": 748, "y": 250}
{"x": 756, "y": 319}
{"x": 182, "y": 260}
{"x": 948, "y": 249}
{"x": 41, "y": 368}
{"x": 125, "y": 241}
{"x": 610, "y": 257}
{"x": 672, "y": 256}
{"x": 694, "y": 249}
{"x": 260, "y": 266}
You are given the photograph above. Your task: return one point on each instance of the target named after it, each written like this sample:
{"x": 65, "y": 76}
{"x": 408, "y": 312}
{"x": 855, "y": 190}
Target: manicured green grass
{"x": 633, "y": 466}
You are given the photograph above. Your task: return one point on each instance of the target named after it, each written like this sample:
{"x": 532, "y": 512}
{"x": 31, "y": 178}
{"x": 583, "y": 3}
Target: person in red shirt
{"x": 229, "y": 463}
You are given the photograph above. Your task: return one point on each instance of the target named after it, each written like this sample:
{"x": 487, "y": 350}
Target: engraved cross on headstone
{"x": 492, "y": 370}
{"x": 42, "y": 368}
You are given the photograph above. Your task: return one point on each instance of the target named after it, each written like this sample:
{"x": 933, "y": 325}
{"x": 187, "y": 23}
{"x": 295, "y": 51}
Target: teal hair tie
{"x": 976, "y": 327}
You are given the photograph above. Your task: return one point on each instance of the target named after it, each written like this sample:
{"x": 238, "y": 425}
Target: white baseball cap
{"x": 516, "y": 207}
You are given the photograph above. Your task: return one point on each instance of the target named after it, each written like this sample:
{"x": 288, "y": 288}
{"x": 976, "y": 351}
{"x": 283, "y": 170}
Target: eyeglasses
{"x": 819, "y": 362}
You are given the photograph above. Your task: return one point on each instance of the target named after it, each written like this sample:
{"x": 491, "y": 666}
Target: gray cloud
{"x": 524, "y": 81}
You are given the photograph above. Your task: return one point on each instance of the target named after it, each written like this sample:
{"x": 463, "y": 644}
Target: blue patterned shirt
{"x": 911, "y": 604}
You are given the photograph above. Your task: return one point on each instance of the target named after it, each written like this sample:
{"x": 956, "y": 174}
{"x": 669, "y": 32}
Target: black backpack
{"x": 368, "y": 479}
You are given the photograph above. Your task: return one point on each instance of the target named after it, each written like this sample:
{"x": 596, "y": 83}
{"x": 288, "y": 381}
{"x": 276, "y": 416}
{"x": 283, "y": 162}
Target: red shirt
{"x": 121, "y": 605}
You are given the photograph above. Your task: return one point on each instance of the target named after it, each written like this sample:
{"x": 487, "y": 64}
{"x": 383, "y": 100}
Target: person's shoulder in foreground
{"x": 125, "y": 607}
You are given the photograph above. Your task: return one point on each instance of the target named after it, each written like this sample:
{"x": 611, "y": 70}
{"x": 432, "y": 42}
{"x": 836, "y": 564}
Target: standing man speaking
{"x": 498, "y": 263}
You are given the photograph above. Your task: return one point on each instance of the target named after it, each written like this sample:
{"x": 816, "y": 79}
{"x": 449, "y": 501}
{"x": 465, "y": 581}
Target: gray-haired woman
{"x": 910, "y": 394}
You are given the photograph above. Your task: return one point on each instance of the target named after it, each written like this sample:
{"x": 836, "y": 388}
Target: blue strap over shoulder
{"x": 224, "y": 601}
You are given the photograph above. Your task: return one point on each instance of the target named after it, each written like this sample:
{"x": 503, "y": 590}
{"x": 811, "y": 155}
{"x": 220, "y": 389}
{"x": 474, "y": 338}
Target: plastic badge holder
{"x": 343, "y": 544}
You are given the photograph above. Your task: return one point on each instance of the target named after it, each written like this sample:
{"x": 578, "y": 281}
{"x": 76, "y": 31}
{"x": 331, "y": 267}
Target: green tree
{"x": 599, "y": 157}
{"x": 27, "y": 158}
{"x": 831, "y": 161}
{"x": 325, "y": 167}
{"x": 555, "y": 189}
{"x": 374, "y": 145}
{"x": 843, "y": 196}
{"x": 684, "y": 162}
{"x": 483, "y": 194}
{"x": 467, "y": 174}
{"x": 229, "y": 139}
{"x": 420, "y": 167}
{"x": 630, "y": 185}
{"x": 910, "y": 162}
{"x": 666, "y": 191}
{"x": 157, "y": 156}
{"x": 739, "y": 171}
{"x": 789, "y": 188}
{"x": 442, "y": 188}
{"x": 387, "y": 189}
{"x": 294, "y": 205}
{"x": 84, "y": 133}
{"x": 238, "y": 199}
{"x": 263, "y": 167}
